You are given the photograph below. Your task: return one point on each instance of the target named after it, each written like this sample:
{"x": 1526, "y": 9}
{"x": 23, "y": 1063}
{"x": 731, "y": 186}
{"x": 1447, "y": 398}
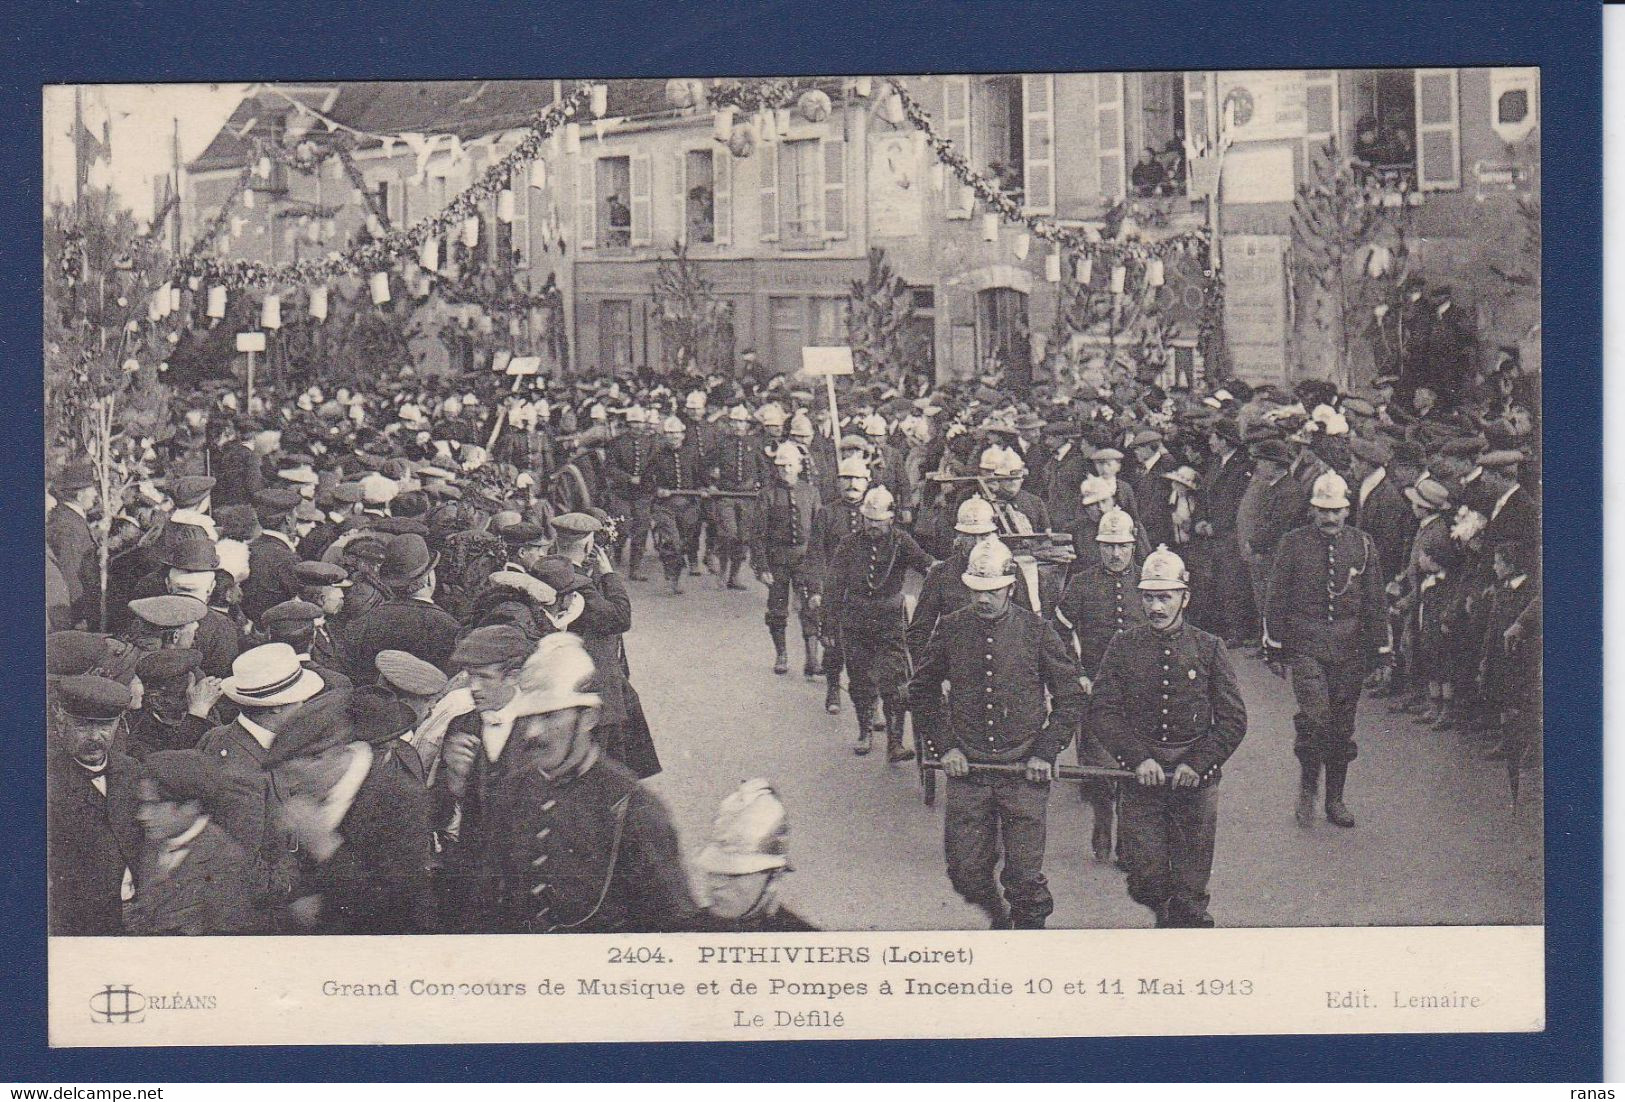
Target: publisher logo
{"x": 117, "y": 1004}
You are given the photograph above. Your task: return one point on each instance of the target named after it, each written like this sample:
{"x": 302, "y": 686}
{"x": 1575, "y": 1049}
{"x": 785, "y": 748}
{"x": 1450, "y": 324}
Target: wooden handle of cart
{"x": 1062, "y": 772}
{"x": 741, "y": 495}
{"x": 1049, "y": 537}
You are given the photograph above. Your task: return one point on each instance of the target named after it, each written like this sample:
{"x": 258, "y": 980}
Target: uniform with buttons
{"x": 676, "y": 519}
{"x": 781, "y": 525}
{"x": 735, "y": 463}
{"x": 629, "y": 458}
{"x": 864, "y": 591}
{"x": 1171, "y": 697}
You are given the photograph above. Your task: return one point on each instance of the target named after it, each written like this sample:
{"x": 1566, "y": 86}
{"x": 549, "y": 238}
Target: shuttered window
{"x": 1109, "y": 135}
{"x": 1320, "y": 112}
{"x": 834, "y": 154}
{"x": 586, "y": 203}
{"x": 1438, "y": 129}
{"x": 957, "y": 198}
{"x": 1038, "y": 143}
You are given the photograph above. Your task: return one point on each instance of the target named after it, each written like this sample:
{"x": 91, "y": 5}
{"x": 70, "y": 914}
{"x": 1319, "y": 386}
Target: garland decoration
{"x": 395, "y": 245}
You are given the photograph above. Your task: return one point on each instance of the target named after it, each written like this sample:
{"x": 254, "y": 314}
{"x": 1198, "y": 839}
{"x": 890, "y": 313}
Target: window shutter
{"x": 722, "y": 196}
{"x": 519, "y": 184}
{"x": 1109, "y": 135}
{"x": 1038, "y": 143}
{"x": 834, "y": 152}
{"x": 679, "y": 194}
{"x": 586, "y": 204}
{"x": 957, "y": 198}
{"x": 769, "y": 160}
{"x": 1198, "y": 114}
{"x": 1438, "y": 130}
{"x": 642, "y": 199}
{"x": 1320, "y": 111}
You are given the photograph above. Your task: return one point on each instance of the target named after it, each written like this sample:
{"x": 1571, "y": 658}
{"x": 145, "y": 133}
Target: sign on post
{"x": 828, "y": 361}
{"x": 250, "y": 343}
{"x": 524, "y": 365}
{"x": 500, "y": 360}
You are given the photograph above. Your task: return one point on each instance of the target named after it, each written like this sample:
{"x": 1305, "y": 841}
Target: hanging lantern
{"x": 814, "y": 105}
{"x": 193, "y": 283}
{"x": 429, "y": 253}
{"x": 174, "y": 300}
{"x": 471, "y": 232}
{"x": 318, "y": 303}
{"x": 538, "y": 173}
{"x": 891, "y": 109}
{"x": 990, "y": 227}
{"x": 263, "y": 168}
{"x": 374, "y": 227}
{"x": 600, "y": 100}
{"x": 1052, "y": 267}
{"x": 380, "y": 288}
{"x": 505, "y": 205}
{"x": 743, "y": 142}
{"x": 781, "y": 121}
{"x": 1022, "y": 244}
{"x": 572, "y": 137}
{"x": 248, "y": 198}
{"x": 1378, "y": 262}
{"x": 1119, "y": 273}
{"x": 271, "y": 312}
{"x": 723, "y": 124}
{"x": 863, "y": 86}
{"x": 939, "y": 176}
{"x": 1154, "y": 276}
{"x": 217, "y": 302}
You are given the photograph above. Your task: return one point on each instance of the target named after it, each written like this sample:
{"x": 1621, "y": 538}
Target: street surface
{"x": 1437, "y": 842}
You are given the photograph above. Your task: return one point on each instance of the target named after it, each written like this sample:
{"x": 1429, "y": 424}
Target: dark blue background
{"x": 224, "y": 41}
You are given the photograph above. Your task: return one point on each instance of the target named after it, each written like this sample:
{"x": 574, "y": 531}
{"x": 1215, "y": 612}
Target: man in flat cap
{"x": 194, "y": 878}
{"x": 324, "y": 585}
{"x": 177, "y": 702}
{"x": 272, "y": 555}
{"x": 167, "y": 621}
{"x": 192, "y": 492}
{"x": 93, "y": 840}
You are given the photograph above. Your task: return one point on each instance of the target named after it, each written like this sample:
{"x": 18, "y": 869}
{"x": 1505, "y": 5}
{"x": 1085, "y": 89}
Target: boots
{"x": 895, "y": 750}
{"x": 634, "y": 559}
{"x": 877, "y": 719}
{"x": 676, "y": 580}
{"x": 733, "y": 574}
{"x": 781, "y": 657}
{"x": 812, "y": 667}
{"x": 1336, "y": 813}
{"x": 997, "y": 917}
{"x": 832, "y": 694}
{"x": 862, "y": 746}
{"x": 1100, "y": 840}
{"x": 1308, "y": 788}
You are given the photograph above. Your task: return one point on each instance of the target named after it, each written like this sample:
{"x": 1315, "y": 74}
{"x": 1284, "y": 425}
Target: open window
{"x": 1158, "y": 137}
{"x": 699, "y": 203}
{"x": 1002, "y": 330}
{"x": 614, "y": 202}
{"x": 1407, "y": 130}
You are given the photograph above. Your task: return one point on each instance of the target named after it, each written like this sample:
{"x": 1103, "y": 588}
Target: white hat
{"x": 989, "y": 566}
{"x": 1185, "y": 476}
{"x": 750, "y": 833}
{"x": 739, "y": 413}
{"x": 787, "y": 454}
{"x": 695, "y": 399}
{"x": 196, "y": 519}
{"x": 301, "y": 475}
{"x": 635, "y": 415}
{"x": 874, "y": 425}
{"x": 551, "y": 679}
{"x": 673, "y": 424}
{"x": 1115, "y": 526}
{"x": 771, "y": 415}
{"x": 452, "y": 406}
{"x": 268, "y": 675}
{"x": 801, "y": 425}
{"x": 1094, "y": 490}
{"x": 853, "y": 466}
{"x": 877, "y": 504}
{"x": 1332, "y": 422}
{"x": 1163, "y": 570}
{"x": 975, "y": 517}
{"x": 233, "y": 557}
{"x": 597, "y": 412}
{"x": 1330, "y": 492}
{"x": 378, "y": 489}
{"x": 992, "y": 456}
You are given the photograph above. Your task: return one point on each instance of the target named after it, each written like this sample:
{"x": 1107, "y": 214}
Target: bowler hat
{"x": 406, "y": 560}
{"x": 190, "y": 490}
{"x": 73, "y": 478}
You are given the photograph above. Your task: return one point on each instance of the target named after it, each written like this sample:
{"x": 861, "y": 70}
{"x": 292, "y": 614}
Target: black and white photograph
{"x": 771, "y": 505}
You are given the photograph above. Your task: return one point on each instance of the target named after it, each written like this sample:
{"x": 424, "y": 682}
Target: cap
{"x": 88, "y": 696}
{"x": 1115, "y": 526}
{"x": 73, "y": 478}
{"x": 853, "y": 466}
{"x": 168, "y": 611}
{"x": 1330, "y": 492}
{"x": 379, "y": 489}
{"x": 695, "y": 400}
{"x": 991, "y": 457}
{"x": 739, "y": 413}
{"x": 167, "y": 664}
{"x": 801, "y": 425}
{"x": 771, "y": 415}
{"x": 523, "y": 532}
{"x": 578, "y": 524}
{"x": 487, "y": 646}
{"x": 409, "y": 673}
{"x": 877, "y": 504}
{"x": 271, "y": 505}
{"x": 1501, "y": 458}
{"x": 290, "y": 612}
{"x": 989, "y": 566}
{"x": 188, "y": 553}
{"x": 750, "y": 834}
{"x": 975, "y": 517}
{"x": 1368, "y": 451}
{"x": 190, "y": 490}
{"x": 673, "y": 424}
{"x": 183, "y": 776}
{"x": 1430, "y": 494}
{"x": 1106, "y": 453}
{"x": 787, "y": 454}
{"x": 1272, "y": 451}
{"x": 551, "y": 680}
{"x": 1163, "y": 570}
{"x": 1094, "y": 489}
{"x": 322, "y": 573}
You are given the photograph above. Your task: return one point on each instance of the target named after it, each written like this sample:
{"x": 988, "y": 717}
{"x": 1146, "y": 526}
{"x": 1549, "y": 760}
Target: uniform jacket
{"x": 589, "y": 852}
{"x": 91, "y": 840}
{"x": 209, "y": 892}
{"x": 781, "y": 524}
{"x": 1098, "y": 605}
{"x": 630, "y": 457}
{"x": 999, "y": 675}
{"x": 736, "y": 463}
{"x": 1170, "y": 696}
{"x": 246, "y": 808}
{"x": 831, "y": 524}
{"x": 866, "y": 576}
{"x": 1326, "y": 598}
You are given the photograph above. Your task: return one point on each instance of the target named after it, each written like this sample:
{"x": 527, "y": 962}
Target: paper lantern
{"x": 248, "y": 198}
{"x": 193, "y": 283}
{"x": 1119, "y": 273}
{"x": 743, "y": 141}
{"x": 538, "y": 173}
{"x": 471, "y": 232}
{"x": 271, "y": 312}
{"x": 1377, "y": 263}
{"x": 505, "y": 205}
{"x": 722, "y": 127}
{"x": 1052, "y": 267}
{"x": 863, "y": 86}
{"x": 1022, "y": 244}
{"x": 174, "y": 300}
{"x": 380, "y": 288}
{"x": 781, "y": 121}
{"x": 680, "y": 93}
{"x": 990, "y": 227}
{"x": 600, "y": 100}
{"x": 429, "y": 253}
{"x": 262, "y": 169}
{"x": 814, "y": 105}
{"x": 132, "y": 365}
{"x": 572, "y": 137}
{"x": 217, "y": 302}
{"x": 318, "y": 303}
{"x": 1154, "y": 272}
